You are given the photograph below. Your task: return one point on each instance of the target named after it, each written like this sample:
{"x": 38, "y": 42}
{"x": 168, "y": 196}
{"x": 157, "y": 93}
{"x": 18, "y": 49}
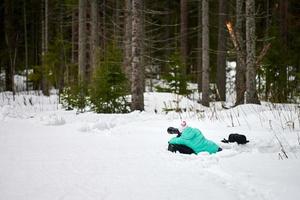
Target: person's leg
{"x": 171, "y": 148}
{"x": 181, "y": 148}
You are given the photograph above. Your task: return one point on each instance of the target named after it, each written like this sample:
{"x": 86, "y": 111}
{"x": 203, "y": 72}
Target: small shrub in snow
{"x": 74, "y": 98}
{"x": 109, "y": 86}
{"x": 176, "y": 82}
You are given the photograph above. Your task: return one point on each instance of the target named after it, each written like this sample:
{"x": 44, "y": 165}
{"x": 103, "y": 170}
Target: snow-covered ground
{"x": 49, "y": 153}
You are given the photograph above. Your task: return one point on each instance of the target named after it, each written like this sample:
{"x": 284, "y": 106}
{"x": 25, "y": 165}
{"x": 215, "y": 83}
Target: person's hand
{"x": 172, "y": 130}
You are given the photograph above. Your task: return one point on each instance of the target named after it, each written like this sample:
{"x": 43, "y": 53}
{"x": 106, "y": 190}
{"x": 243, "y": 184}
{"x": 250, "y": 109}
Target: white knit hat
{"x": 183, "y": 125}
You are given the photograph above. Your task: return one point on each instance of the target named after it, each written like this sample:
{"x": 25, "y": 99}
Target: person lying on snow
{"x": 190, "y": 140}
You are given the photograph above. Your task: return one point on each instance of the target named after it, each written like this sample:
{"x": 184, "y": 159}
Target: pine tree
{"x": 109, "y": 86}
{"x": 176, "y": 82}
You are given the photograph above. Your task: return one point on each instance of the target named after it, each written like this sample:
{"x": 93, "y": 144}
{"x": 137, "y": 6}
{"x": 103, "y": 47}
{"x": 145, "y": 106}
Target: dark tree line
{"x": 61, "y": 43}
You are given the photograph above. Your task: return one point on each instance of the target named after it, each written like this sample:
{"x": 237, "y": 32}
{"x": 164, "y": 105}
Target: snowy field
{"x": 48, "y": 153}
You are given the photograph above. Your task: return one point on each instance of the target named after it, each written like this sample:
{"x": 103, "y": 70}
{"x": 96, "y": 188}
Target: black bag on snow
{"x": 238, "y": 138}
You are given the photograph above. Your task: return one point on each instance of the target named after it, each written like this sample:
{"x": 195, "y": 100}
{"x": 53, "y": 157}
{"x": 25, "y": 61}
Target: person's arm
{"x": 172, "y": 130}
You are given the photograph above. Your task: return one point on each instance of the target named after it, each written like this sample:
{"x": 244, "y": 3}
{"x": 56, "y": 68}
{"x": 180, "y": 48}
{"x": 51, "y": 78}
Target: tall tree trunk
{"x": 167, "y": 31}
{"x": 34, "y": 31}
{"x": 283, "y": 12}
{"x": 94, "y": 43}
{"x": 46, "y": 26}
{"x": 88, "y": 31}
{"x": 117, "y": 23}
{"x": 205, "y": 52}
{"x": 82, "y": 50}
{"x": 137, "y": 84}
{"x": 297, "y": 90}
{"x": 11, "y": 39}
{"x": 240, "y": 78}
{"x": 283, "y": 24}
{"x": 221, "y": 59}
{"x": 127, "y": 38}
{"x": 183, "y": 31}
{"x": 70, "y": 77}
{"x": 267, "y": 36}
{"x": 199, "y": 47}
{"x": 61, "y": 77}
{"x": 103, "y": 27}
{"x": 44, "y": 83}
{"x": 26, "y": 45}
{"x": 251, "y": 96}
{"x": 75, "y": 22}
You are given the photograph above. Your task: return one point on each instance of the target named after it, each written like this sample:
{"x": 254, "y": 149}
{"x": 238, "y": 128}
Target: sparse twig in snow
{"x": 280, "y": 156}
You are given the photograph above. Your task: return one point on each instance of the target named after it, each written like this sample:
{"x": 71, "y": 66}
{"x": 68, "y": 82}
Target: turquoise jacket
{"x": 193, "y": 138}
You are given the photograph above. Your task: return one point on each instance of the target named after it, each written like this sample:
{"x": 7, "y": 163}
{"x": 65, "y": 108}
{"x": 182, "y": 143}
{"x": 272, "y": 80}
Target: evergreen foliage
{"x": 175, "y": 80}
{"x": 52, "y": 65}
{"x": 36, "y": 76}
{"x": 281, "y": 64}
{"x": 22, "y": 51}
{"x": 74, "y": 97}
{"x": 109, "y": 86}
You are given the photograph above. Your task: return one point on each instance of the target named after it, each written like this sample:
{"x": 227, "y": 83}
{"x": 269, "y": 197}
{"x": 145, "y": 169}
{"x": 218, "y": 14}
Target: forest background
{"x": 96, "y": 53}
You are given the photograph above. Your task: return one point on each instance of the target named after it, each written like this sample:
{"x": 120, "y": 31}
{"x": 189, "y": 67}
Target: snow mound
{"x": 163, "y": 102}
{"x": 13, "y": 111}
{"x": 85, "y": 128}
{"x": 102, "y": 125}
{"x": 97, "y": 126}
{"x": 125, "y": 155}
{"x": 53, "y": 120}
{"x": 5, "y": 111}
